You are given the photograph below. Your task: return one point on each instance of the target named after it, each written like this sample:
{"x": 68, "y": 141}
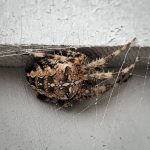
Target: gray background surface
{"x": 77, "y": 22}
{"x": 120, "y": 121}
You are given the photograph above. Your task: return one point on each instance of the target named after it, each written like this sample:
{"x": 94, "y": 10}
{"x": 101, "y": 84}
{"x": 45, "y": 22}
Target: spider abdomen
{"x": 55, "y": 80}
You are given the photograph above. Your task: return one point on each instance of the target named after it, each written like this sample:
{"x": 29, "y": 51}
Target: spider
{"x": 67, "y": 76}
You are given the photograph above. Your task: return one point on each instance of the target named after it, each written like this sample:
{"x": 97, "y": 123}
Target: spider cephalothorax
{"x": 65, "y": 77}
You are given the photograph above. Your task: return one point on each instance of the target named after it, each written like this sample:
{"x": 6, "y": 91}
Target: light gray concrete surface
{"x": 119, "y": 122}
{"x": 77, "y": 22}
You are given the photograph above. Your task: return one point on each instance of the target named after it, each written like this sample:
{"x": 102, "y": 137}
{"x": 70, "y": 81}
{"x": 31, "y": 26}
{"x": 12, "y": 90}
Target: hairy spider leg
{"x": 96, "y": 90}
{"x": 68, "y": 52}
{"x": 101, "y": 88}
{"x": 109, "y": 75}
{"x": 73, "y": 56}
{"x": 102, "y": 61}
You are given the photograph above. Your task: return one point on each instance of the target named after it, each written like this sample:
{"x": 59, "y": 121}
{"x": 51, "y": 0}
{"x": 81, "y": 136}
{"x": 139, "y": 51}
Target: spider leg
{"x": 102, "y": 87}
{"x": 74, "y": 57}
{"x": 69, "y": 52}
{"x": 124, "y": 74}
{"x": 43, "y": 54}
{"x": 102, "y": 61}
{"x": 62, "y": 56}
{"x": 96, "y": 90}
{"x": 65, "y": 104}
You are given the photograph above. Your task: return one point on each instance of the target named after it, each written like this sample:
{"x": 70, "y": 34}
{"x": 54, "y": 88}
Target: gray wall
{"x": 116, "y": 122}
{"x": 77, "y": 22}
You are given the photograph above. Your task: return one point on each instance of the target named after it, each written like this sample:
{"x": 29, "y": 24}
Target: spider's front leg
{"x": 103, "y": 61}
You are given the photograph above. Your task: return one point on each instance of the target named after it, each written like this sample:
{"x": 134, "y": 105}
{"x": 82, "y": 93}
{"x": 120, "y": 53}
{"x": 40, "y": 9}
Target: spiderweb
{"x": 111, "y": 120}
{"x": 102, "y": 116}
